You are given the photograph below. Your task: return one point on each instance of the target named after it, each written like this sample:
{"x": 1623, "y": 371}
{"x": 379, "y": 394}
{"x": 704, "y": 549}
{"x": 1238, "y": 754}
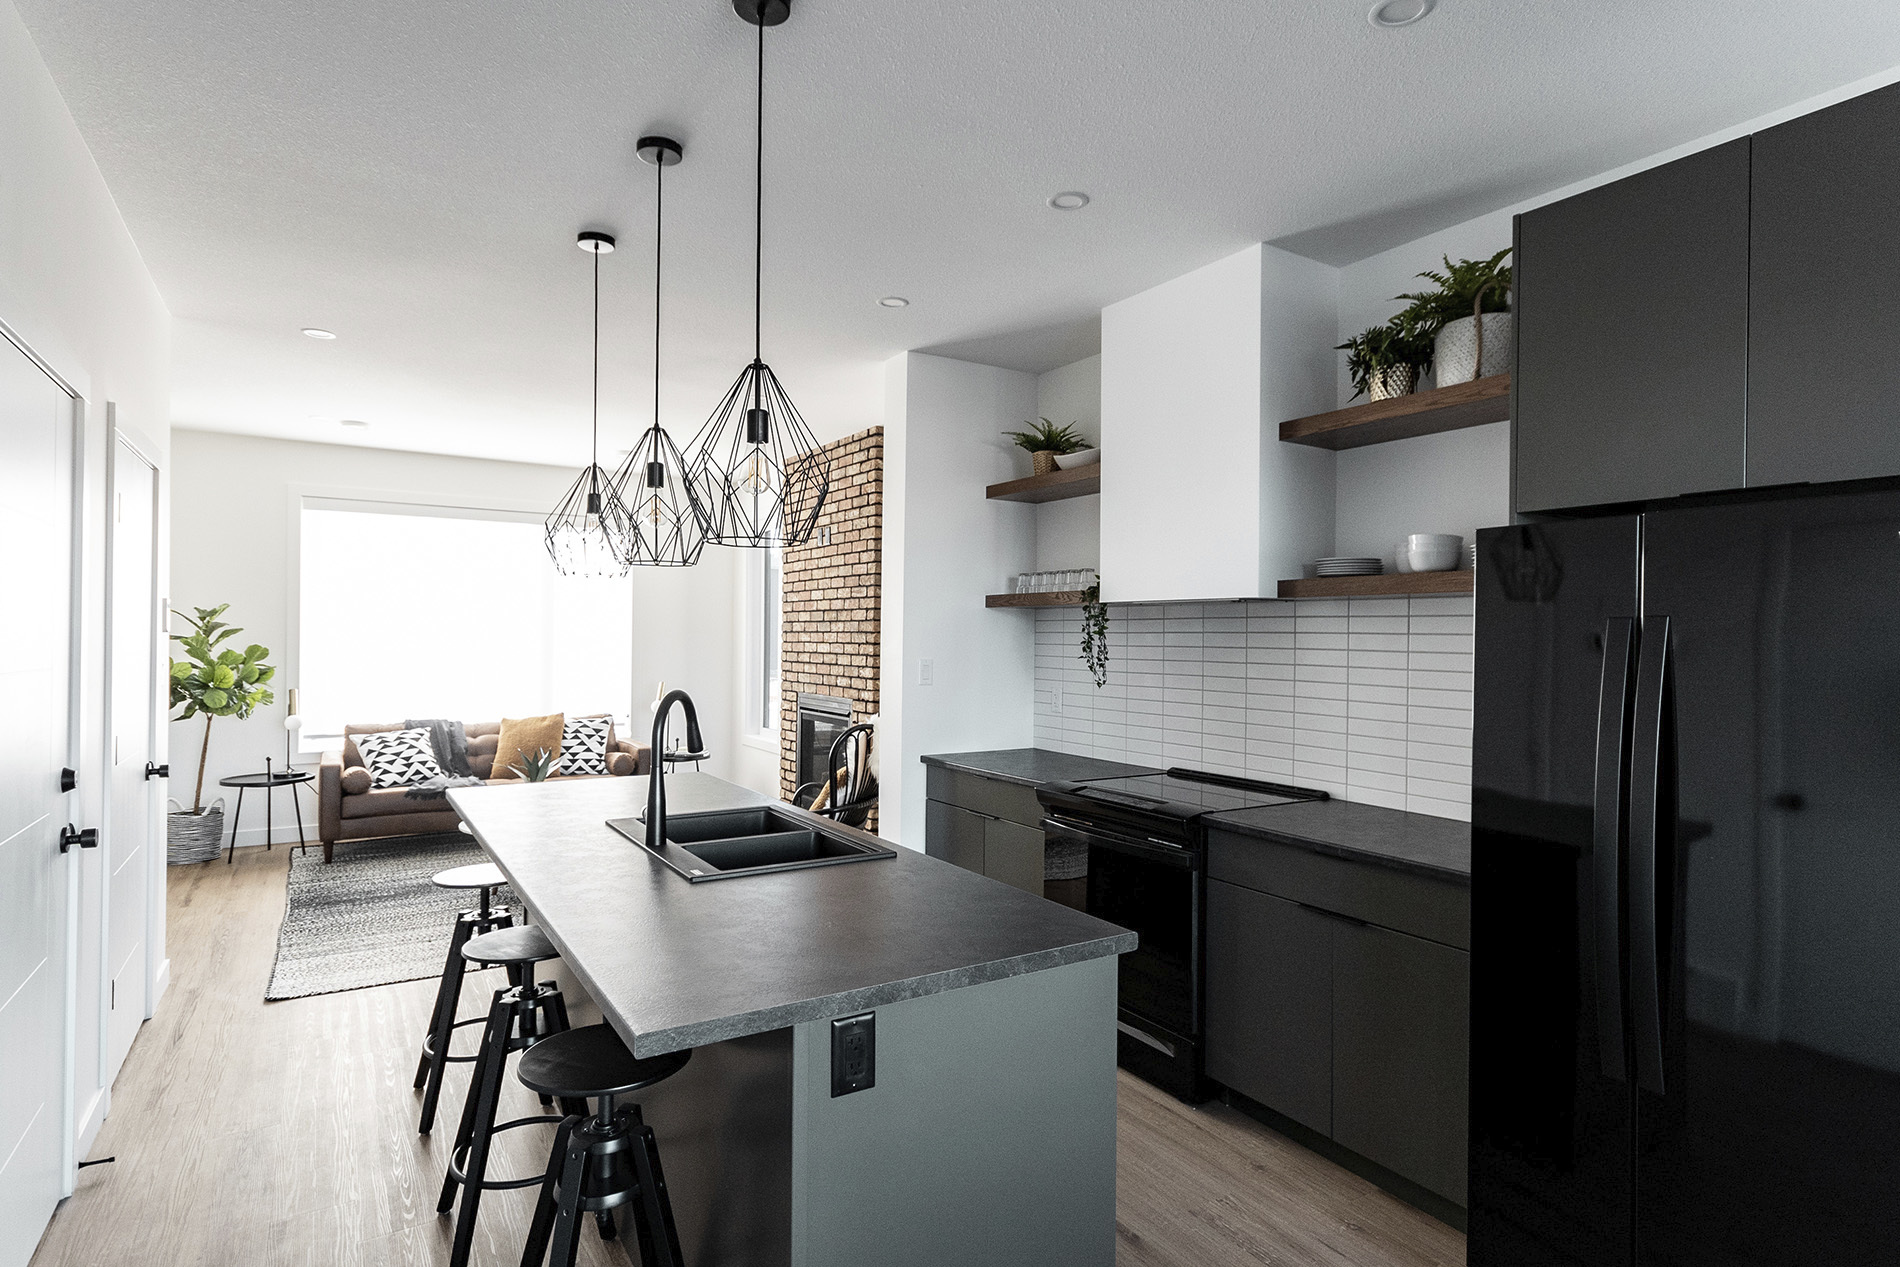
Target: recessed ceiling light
{"x": 1395, "y": 13}
{"x": 1069, "y": 200}
{"x": 354, "y": 422}
{"x": 894, "y": 301}
{"x": 315, "y": 333}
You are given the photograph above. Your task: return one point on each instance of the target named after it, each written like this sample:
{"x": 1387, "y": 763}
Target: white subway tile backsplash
{"x": 1368, "y": 699}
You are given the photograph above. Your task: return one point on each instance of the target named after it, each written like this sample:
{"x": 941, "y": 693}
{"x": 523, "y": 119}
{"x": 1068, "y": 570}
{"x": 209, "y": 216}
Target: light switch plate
{"x": 926, "y": 669}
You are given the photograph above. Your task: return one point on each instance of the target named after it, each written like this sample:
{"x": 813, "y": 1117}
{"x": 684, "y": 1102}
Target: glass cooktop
{"x": 1181, "y": 794}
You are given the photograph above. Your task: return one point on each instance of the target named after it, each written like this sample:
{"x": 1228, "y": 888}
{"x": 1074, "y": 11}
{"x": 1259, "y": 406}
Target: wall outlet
{"x": 1051, "y": 697}
{"x": 853, "y": 1054}
{"x": 926, "y": 669}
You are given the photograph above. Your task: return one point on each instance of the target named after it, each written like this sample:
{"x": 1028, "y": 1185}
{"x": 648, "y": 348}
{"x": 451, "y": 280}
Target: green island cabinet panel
{"x": 1632, "y": 303}
{"x": 1012, "y": 853}
{"x": 1401, "y": 1009}
{"x": 1270, "y": 1002}
{"x": 954, "y": 834}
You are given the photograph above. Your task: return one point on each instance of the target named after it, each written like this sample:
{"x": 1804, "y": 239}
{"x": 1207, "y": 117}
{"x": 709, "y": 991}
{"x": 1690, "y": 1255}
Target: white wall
{"x": 945, "y": 547}
{"x": 74, "y": 290}
{"x": 231, "y": 543}
{"x": 1069, "y": 533}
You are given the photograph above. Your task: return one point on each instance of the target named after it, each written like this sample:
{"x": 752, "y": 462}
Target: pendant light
{"x": 586, "y": 534}
{"x": 665, "y": 525}
{"x": 758, "y": 471}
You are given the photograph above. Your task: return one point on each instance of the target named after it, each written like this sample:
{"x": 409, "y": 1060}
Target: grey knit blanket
{"x": 450, "y": 742}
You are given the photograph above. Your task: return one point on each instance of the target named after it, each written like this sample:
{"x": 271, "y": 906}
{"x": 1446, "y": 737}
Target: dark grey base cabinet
{"x": 988, "y": 826}
{"x": 1338, "y": 994}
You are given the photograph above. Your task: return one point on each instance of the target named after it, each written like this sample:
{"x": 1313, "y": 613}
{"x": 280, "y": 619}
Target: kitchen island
{"x": 989, "y": 1133}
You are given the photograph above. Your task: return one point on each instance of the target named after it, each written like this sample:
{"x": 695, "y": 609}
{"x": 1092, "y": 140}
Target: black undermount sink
{"x": 724, "y": 844}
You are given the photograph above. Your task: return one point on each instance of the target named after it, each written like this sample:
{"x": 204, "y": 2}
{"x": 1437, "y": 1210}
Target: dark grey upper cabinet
{"x": 1824, "y": 296}
{"x": 1632, "y": 336}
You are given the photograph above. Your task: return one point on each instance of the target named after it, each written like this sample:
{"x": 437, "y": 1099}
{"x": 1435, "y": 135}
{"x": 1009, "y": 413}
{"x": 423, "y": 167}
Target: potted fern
{"x": 217, "y": 681}
{"x": 1385, "y": 361}
{"x": 1468, "y": 318}
{"x": 1044, "y": 442}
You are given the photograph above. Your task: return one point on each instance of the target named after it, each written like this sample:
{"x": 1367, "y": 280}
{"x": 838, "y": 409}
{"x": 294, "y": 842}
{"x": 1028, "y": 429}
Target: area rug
{"x": 371, "y": 917}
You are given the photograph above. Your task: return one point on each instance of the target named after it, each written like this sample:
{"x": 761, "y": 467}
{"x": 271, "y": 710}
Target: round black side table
{"x": 269, "y": 781}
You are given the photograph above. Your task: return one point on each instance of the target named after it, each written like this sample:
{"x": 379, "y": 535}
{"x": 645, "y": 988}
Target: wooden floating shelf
{"x": 1421, "y": 414}
{"x": 1052, "y": 598}
{"x": 1392, "y": 584}
{"x": 1079, "y": 481}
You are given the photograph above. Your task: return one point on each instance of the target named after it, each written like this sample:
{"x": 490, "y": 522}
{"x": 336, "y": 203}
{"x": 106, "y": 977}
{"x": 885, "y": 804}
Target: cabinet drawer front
{"x": 1012, "y": 853}
{"x": 1436, "y": 910}
{"x": 954, "y": 835}
{"x": 1401, "y": 1008}
{"x": 1270, "y": 1002}
{"x": 994, "y": 797}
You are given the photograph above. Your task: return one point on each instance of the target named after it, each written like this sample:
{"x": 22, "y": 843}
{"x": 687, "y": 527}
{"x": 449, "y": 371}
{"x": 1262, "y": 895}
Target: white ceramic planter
{"x": 1391, "y": 381}
{"x": 1082, "y": 457}
{"x": 1455, "y": 353}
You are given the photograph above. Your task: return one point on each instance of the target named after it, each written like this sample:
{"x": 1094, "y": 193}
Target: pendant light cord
{"x": 659, "y": 227}
{"x": 593, "y": 469}
{"x": 758, "y": 200}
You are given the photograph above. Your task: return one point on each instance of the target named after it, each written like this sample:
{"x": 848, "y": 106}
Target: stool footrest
{"x": 458, "y": 1158}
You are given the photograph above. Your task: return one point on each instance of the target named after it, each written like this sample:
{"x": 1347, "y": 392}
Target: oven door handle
{"x": 1154, "y": 851}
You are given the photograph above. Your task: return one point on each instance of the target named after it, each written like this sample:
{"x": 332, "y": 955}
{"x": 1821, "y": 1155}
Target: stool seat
{"x": 592, "y": 1062}
{"x": 480, "y": 875}
{"x": 526, "y": 944}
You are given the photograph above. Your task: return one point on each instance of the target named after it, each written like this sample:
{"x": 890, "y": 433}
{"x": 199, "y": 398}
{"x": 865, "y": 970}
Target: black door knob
{"x": 68, "y": 778}
{"x": 86, "y": 839}
{"x": 158, "y": 771}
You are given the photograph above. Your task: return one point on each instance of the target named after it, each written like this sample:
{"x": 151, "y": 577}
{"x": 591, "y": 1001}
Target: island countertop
{"x": 675, "y": 965}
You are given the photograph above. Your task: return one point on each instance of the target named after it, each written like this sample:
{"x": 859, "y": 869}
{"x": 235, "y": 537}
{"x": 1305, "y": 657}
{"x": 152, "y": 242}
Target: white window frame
{"x": 757, "y": 688}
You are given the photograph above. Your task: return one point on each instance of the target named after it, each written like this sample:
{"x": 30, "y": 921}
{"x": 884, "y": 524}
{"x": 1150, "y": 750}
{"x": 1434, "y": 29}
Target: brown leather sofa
{"x": 348, "y": 810}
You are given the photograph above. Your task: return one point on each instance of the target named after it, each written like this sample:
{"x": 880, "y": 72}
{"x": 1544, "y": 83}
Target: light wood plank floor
{"x": 262, "y": 1135}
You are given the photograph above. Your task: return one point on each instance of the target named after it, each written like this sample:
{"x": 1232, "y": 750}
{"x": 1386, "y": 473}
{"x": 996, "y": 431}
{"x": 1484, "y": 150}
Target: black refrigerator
{"x": 1685, "y": 1029}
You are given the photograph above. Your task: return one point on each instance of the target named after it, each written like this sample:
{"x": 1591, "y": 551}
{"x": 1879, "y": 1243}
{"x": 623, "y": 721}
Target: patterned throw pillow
{"x": 398, "y": 758}
{"x": 584, "y": 745}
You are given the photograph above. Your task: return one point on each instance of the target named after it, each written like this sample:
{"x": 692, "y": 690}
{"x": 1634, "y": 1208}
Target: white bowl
{"x": 1082, "y": 457}
{"x": 1430, "y": 552}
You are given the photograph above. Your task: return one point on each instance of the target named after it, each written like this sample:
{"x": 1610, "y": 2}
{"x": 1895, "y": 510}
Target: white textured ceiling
{"x": 411, "y": 175}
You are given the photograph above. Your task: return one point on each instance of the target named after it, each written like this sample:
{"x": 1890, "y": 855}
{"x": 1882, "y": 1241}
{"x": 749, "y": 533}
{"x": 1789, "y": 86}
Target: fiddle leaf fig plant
{"x": 215, "y": 680}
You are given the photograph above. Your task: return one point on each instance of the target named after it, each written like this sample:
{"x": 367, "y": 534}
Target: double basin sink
{"x": 726, "y": 844}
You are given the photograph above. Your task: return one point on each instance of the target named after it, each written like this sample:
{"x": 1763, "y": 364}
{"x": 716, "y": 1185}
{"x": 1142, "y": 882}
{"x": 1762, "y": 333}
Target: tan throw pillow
{"x": 523, "y": 737}
{"x": 355, "y": 779}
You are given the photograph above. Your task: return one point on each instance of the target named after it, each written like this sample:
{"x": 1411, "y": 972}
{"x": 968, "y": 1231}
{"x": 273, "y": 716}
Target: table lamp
{"x": 292, "y": 724}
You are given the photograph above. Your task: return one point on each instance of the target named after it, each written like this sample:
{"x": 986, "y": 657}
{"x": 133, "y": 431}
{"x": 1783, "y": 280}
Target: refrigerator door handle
{"x": 1606, "y": 839}
{"x": 1650, "y": 772}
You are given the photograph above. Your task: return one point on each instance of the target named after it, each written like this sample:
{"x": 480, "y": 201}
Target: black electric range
{"x": 1147, "y": 872}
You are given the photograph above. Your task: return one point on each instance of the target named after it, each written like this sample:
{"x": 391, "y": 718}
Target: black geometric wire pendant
{"x": 665, "y": 526}
{"x": 758, "y": 471}
{"x": 586, "y": 533}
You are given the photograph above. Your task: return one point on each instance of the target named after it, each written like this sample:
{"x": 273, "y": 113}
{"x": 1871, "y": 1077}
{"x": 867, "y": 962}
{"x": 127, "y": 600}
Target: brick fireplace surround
{"x": 831, "y": 591}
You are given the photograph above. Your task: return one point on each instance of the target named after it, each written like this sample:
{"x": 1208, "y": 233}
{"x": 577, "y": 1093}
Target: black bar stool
{"x": 587, "y": 1173}
{"x": 487, "y": 877}
{"x": 520, "y": 1017}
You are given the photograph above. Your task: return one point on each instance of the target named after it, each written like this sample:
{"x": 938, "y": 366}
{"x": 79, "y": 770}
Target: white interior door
{"x": 36, "y": 492}
{"x": 132, "y": 656}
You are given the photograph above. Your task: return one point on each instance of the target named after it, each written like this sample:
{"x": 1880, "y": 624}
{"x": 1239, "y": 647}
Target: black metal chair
{"x": 524, "y": 1014}
{"x": 486, "y": 918}
{"x": 853, "y": 813}
{"x": 601, "y": 1160}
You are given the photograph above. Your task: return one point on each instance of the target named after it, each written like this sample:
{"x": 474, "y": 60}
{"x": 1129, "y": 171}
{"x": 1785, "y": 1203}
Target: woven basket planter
{"x": 193, "y": 837}
{"x": 1455, "y": 354}
{"x": 1043, "y": 462}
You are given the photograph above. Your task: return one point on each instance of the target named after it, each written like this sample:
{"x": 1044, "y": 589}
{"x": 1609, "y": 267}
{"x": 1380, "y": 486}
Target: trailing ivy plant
{"x": 1095, "y": 634}
{"x": 1048, "y": 438}
{"x": 217, "y": 683}
{"x": 1459, "y": 288}
{"x": 1382, "y": 347}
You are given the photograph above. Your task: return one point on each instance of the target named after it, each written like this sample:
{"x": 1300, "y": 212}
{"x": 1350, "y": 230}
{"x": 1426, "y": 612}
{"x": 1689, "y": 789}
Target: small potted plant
{"x": 1045, "y": 442}
{"x": 1468, "y": 317}
{"x": 216, "y": 683}
{"x": 1385, "y": 361}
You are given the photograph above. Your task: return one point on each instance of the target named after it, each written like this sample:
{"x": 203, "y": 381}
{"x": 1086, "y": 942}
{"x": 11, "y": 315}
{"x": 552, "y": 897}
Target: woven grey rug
{"x": 371, "y": 917}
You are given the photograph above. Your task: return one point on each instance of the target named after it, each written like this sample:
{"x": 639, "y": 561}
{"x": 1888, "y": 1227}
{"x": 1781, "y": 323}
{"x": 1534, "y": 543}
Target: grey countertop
{"x": 1420, "y": 843}
{"x": 676, "y": 965}
{"x": 1031, "y": 767}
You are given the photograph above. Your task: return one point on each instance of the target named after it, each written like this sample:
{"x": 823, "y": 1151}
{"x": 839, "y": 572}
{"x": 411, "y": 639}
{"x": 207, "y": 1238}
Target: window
{"x": 430, "y": 611}
{"x": 764, "y": 612}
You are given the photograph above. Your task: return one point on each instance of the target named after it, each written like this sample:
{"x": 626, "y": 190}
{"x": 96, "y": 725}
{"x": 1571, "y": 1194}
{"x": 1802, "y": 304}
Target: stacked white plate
{"x": 1348, "y": 567}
